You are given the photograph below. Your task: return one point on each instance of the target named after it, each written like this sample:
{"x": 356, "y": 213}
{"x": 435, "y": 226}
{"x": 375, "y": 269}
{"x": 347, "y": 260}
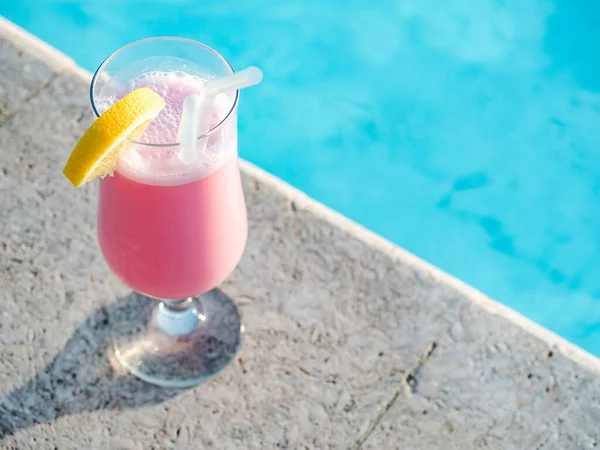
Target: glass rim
{"x": 175, "y": 39}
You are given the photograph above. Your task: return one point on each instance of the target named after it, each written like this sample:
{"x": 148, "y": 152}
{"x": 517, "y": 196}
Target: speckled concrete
{"x": 351, "y": 342}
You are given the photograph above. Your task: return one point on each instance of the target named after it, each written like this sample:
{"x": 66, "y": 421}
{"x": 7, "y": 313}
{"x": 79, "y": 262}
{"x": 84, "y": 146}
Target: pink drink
{"x": 168, "y": 230}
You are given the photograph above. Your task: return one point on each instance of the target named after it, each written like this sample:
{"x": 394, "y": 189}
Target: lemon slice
{"x": 97, "y": 152}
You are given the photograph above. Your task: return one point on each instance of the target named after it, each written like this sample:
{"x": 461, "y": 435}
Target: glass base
{"x": 181, "y": 343}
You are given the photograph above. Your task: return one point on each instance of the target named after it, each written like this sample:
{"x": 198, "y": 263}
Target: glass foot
{"x": 180, "y": 344}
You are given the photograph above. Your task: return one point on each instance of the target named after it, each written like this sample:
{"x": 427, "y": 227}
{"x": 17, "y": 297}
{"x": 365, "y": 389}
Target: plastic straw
{"x": 198, "y": 110}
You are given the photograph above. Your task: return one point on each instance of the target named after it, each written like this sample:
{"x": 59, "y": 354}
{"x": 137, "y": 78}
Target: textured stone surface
{"x": 489, "y": 385}
{"x": 350, "y": 342}
{"x": 22, "y": 75}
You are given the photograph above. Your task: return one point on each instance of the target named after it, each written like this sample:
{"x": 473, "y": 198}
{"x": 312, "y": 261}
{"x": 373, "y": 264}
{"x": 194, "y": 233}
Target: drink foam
{"x": 160, "y": 165}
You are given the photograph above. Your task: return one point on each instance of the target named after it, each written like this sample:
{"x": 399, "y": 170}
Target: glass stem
{"x": 177, "y": 317}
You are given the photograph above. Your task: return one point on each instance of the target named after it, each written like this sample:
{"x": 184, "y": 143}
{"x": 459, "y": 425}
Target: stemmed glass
{"x": 170, "y": 231}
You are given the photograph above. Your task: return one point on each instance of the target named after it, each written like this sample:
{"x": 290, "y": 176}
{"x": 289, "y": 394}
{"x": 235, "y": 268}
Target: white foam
{"x": 160, "y": 165}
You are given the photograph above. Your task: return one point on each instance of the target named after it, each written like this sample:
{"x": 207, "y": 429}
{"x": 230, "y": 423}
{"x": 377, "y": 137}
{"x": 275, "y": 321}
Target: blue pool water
{"x": 468, "y": 132}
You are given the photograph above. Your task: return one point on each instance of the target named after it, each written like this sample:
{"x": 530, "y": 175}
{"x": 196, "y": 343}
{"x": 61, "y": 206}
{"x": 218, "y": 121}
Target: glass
{"x": 173, "y": 232}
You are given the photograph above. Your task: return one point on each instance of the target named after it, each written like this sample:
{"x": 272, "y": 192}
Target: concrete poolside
{"x": 351, "y": 342}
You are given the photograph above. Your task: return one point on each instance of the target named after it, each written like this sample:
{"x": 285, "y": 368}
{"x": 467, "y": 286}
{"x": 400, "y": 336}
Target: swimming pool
{"x": 466, "y": 132}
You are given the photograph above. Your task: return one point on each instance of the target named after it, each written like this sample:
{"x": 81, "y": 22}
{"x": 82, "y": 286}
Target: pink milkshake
{"x": 169, "y": 230}
{"x": 171, "y": 219}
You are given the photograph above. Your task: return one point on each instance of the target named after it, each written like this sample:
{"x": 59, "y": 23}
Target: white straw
{"x": 198, "y": 110}
{"x": 188, "y": 129}
{"x": 238, "y": 80}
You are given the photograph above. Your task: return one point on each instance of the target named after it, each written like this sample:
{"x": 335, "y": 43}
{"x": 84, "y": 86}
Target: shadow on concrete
{"x": 81, "y": 377}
